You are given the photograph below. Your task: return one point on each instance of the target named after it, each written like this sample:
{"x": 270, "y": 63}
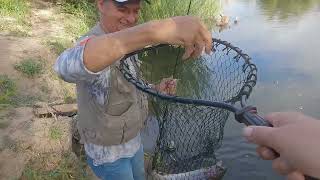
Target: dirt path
{"x": 22, "y": 136}
{"x": 46, "y": 24}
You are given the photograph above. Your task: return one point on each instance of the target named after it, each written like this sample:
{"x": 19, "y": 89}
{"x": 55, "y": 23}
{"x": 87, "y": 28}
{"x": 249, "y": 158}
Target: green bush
{"x": 13, "y": 17}
{"x": 55, "y": 133}
{"x": 30, "y": 67}
{"x": 7, "y": 89}
{"x": 15, "y": 8}
{"x": 160, "y": 9}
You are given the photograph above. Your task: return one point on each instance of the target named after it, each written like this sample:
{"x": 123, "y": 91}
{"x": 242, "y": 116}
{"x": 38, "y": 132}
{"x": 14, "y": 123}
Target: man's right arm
{"x": 100, "y": 52}
{"x": 188, "y": 31}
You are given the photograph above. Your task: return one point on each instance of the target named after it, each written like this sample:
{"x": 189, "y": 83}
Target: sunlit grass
{"x": 58, "y": 45}
{"x": 14, "y": 8}
{"x": 30, "y": 67}
{"x": 55, "y": 133}
{"x": 7, "y": 89}
{"x": 160, "y": 9}
{"x": 67, "y": 168}
{"x": 80, "y": 16}
{"x": 13, "y": 16}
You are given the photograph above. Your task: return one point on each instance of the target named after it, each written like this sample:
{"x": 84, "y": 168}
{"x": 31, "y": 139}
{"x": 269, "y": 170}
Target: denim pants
{"x": 122, "y": 169}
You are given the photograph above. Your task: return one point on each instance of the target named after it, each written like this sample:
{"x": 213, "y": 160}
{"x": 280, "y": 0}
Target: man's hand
{"x": 295, "y": 137}
{"x": 187, "y": 31}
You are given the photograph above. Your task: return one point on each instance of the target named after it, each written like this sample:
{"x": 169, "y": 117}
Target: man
{"x": 111, "y": 111}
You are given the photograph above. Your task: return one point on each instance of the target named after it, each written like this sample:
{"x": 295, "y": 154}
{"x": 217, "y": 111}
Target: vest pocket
{"x": 121, "y": 96}
{"x": 119, "y": 108}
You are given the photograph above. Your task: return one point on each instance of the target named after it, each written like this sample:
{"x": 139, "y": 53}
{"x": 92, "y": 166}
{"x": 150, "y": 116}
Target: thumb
{"x": 259, "y": 135}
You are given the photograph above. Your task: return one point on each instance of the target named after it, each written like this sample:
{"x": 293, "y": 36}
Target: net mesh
{"x": 189, "y": 134}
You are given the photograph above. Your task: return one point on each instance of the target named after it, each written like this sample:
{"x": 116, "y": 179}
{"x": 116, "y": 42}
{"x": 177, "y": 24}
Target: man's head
{"x": 117, "y": 15}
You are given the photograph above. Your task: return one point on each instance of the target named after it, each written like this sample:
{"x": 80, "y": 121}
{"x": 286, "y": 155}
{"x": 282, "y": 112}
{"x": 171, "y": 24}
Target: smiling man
{"x": 111, "y": 111}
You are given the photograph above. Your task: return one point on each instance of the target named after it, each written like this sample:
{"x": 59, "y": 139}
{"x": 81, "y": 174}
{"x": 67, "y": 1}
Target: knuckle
{"x": 279, "y": 166}
{"x": 284, "y": 166}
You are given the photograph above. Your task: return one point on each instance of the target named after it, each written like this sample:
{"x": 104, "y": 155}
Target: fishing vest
{"x": 117, "y": 121}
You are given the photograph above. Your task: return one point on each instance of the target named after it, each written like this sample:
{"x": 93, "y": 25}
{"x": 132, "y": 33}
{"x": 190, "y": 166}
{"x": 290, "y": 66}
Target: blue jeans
{"x": 122, "y": 169}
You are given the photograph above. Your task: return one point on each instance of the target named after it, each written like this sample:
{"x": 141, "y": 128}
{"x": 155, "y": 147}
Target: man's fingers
{"x": 260, "y": 135}
{"x": 282, "y": 166}
{"x": 296, "y": 176}
{"x": 208, "y": 46}
{"x": 199, "y": 46}
{"x": 266, "y": 153}
{"x": 279, "y": 119}
{"x": 189, "y": 49}
{"x": 207, "y": 38}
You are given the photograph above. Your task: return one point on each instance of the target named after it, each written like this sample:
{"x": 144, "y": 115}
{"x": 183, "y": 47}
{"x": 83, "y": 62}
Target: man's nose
{"x": 132, "y": 18}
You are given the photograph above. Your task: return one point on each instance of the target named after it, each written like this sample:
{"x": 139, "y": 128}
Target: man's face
{"x": 116, "y": 17}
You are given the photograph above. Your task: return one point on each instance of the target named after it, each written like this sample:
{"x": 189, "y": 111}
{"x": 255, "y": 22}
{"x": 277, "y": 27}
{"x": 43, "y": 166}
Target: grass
{"x": 80, "y": 15}
{"x": 30, "y": 67}
{"x": 65, "y": 91}
{"x": 7, "y": 89}
{"x": 13, "y": 16}
{"x": 55, "y": 133}
{"x": 8, "y": 143}
{"x": 66, "y": 169}
{"x": 4, "y": 123}
{"x": 5, "y": 116}
{"x": 68, "y": 97}
{"x": 160, "y": 9}
{"x": 58, "y": 45}
{"x": 19, "y": 32}
{"x": 69, "y": 100}
{"x": 14, "y": 8}
{"x": 25, "y": 100}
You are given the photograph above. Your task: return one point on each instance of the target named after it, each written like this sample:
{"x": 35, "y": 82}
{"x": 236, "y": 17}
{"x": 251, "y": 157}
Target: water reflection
{"x": 282, "y": 38}
{"x": 285, "y": 9}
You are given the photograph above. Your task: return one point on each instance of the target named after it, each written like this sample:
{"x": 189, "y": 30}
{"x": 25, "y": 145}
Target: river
{"x": 282, "y": 37}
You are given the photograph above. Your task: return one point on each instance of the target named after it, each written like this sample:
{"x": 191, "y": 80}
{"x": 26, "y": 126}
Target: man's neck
{"x": 103, "y": 27}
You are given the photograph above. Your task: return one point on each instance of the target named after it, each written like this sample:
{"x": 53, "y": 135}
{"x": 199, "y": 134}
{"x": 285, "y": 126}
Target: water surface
{"x": 282, "y": 37}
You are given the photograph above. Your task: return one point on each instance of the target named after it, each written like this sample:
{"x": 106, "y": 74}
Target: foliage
{"x": 55, "y": 133}
{"x": 67, "y": 168}
{"x": 82, "y": 16}
{"x": 30, "y": 67}
{"x": 160, "y": 9}
{"x": 13, "y": 17}
{"x": 58, "y": 45}
{"x": 14, "y": 8}
{"x": 7, "y": 89}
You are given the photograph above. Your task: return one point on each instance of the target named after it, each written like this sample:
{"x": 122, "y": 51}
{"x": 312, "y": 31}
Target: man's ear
{"x": 101, "y": 5}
